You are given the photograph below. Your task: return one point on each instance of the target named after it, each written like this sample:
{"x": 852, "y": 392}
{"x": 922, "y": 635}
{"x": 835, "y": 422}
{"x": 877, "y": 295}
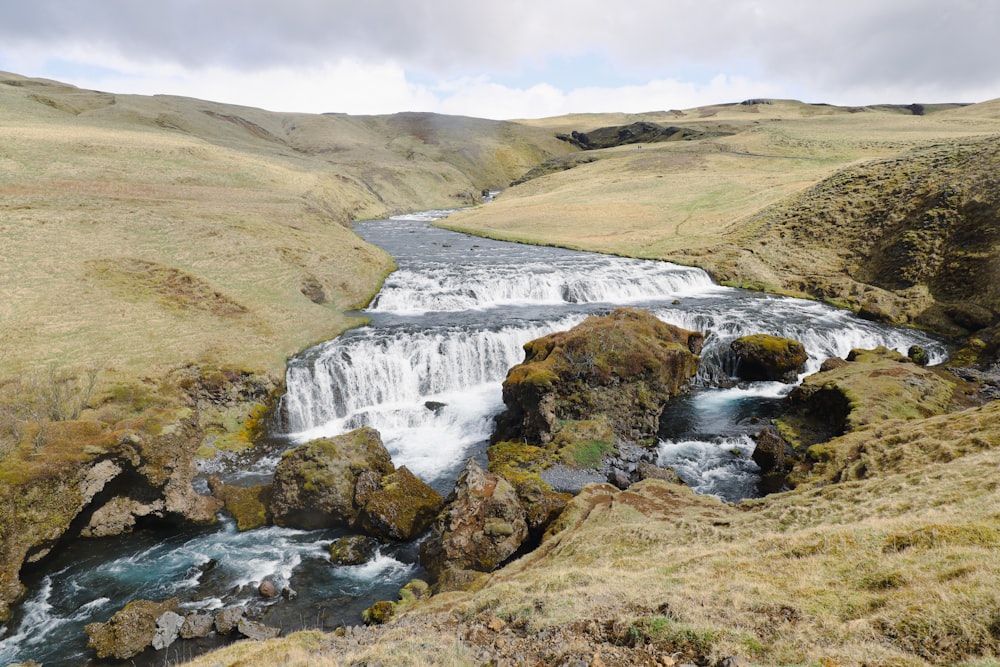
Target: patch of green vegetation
{"x": 670, "y": 636}
{"x": 584, "y": 444}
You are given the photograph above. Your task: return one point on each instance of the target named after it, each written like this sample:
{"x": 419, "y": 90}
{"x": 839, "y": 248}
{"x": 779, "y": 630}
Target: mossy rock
{"x": 353, "y": 550}
{"x": 400, "y": 508}
{"x": 130, "y": 631}
{"x": 314, "y": 483}
{"x": 771, "y": 358}
{"x": 379, "y": 613}
{"x": 624, "y": 365}
{"x": 249, "y": 506}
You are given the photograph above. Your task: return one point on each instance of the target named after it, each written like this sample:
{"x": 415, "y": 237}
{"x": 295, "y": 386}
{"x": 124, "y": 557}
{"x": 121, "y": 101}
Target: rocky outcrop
{"x": 641, "y": 132}
{"x": 131, "y": 630}
{"x": 625, "y": 366}
{"x": 99, "y": 479}
{"x": 483, "y": 524}
{"x": 349, "y": 480}
{"x": 869, "y": 387}
{"x": 772, "y": 358}
{"x": 399, "y": 506}
{"x": 249, "y": 505}
{"x": 314, "y": 483}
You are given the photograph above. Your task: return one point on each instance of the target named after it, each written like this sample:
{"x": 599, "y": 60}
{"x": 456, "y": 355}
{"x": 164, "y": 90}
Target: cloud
{"x": 387, "y": 55}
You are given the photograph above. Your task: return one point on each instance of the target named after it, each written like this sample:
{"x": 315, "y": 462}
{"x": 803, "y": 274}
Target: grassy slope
{"x": 243, "y": 204}
{"x": 681, "y": 200}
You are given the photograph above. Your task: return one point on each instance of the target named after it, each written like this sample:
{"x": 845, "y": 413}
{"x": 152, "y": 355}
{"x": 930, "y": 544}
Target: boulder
{"x": 256, "y": 630}
{"x": 168, "y": 629}
{"x": 197, "y": 625}
{"x": 268, "y": 589}
{"x": 130, "y": 631}
{"x": 400, "y": 507}
{"x": 227, "y": 619}
{"x": 379, "y": 613}
{"x": 625, "y": 366}
{"x": 247, "y": 505}
{"x": 353, "y": 550}
{"x": 764, "y": 357}
{"x": 314, "y": 483}
{"x": 483, "y": 524}
{"x": 770, "y": 452}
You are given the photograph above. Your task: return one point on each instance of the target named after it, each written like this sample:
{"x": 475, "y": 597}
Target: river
{"x": 427, "y": 374}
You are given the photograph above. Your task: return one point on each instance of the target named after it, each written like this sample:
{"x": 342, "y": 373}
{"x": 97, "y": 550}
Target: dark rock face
{"x": 314, "y": 483}
{"x": 625, "y": 366}
{"x": 130, "y": 631}
{"x": 483, "y": 524}
{"x": 764, "y": 357}
{"x": 637, "y": 133}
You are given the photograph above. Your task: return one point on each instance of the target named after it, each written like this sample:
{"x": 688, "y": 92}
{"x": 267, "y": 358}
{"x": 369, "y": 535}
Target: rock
{"x": 483, "y": 524}
{"x": 970, "y": 316}
{"x": 400, "y": 508}
{"x": 256, "y": 630}
{"x": 379, "y": 613}
{"x": 248, "y": 505}
{"x": 770, "y": 451}
{"x": 227, "y": 619}
{"x": 831, "y": 364}
{"x": 456, "y": 579}
{"x": 353, "y": 550}
{"x": 772, "y": 358}
{"x": 624, "y": 366}
{"x": 168, "y": 628}
{"x": 918, "y": 355}
{"x": 314, "y": 483}
{"x": 118, "y": 516}
{"x": 268, "y": 589}
{"x": 646, "y": 470}
{"x": 130, "y": 631}
{"x": 196, "y": 625}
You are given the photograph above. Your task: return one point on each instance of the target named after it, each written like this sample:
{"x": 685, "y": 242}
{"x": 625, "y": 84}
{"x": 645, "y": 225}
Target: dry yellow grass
{"x": 250, "y": 205}
{"x": 673, "y": 200}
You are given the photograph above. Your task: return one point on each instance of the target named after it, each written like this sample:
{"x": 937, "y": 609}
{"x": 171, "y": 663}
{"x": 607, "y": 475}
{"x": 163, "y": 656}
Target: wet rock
{"x": 268, "y": 589}
{"x": 247, "y": 505}
{"x": 772, "y": 358}
{"x": 314, "y": 483}
{"x": 770, "y": 452}
{"x": 197, "y": 625}
{"x": 401, "y": 507}
{"x": 483, "y": 524}
{"x": 130, "y": 631}
{"x": 168, "y": 628}
{"x": 353, "y": 550}
{"x": 227, "y": 619}
{"x": 256, "y": 630}
{"x": 918, "y": 355}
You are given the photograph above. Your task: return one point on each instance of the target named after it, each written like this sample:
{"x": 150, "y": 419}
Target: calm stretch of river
{"x": 444, "y": 330}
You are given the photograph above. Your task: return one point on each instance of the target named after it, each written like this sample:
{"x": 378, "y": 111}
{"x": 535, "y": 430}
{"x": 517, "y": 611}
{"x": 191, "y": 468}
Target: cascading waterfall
{"x": 427, "y": 374}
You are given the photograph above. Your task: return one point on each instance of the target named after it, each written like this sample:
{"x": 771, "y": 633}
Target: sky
{"x": 511, "y": 59}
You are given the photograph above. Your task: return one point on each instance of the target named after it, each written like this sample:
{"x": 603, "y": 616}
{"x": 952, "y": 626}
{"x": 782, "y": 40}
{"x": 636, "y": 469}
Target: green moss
{"x": 379, "y": 613}
{"x": 584, "y": 444}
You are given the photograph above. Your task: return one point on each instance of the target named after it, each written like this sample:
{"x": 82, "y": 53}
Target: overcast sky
{"x": 511, "y": 59}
